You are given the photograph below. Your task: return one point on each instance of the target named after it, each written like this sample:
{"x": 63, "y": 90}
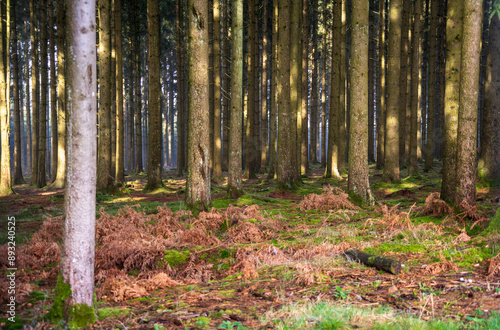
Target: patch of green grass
{"x": 175, "y": 258}
{"x": 398, "y": 247}
{"x": 106, "y": 312}
{"x": 467, "y": 257}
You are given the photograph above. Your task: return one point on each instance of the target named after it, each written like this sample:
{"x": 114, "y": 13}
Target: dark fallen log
{"x": 389, "y": 265}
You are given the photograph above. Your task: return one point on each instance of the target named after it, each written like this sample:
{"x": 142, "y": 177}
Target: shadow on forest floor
{"x": 270, "y": 259}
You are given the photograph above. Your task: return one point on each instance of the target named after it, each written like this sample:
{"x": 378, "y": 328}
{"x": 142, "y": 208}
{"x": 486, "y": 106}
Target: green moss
{"x": 356, "y": 198}
{"x": 62, "y": 292}
{"x": 112, "y": 312}
{"x": 494, "y": 226}
{"x": 18, "y": 323}
{"x": 396, "y": 247}
{"x": 175, "y": 258}
{"x": 81, "y": 315}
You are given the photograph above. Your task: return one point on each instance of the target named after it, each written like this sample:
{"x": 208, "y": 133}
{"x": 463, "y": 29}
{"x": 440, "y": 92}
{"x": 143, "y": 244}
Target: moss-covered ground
{"x": 299, "y": 277}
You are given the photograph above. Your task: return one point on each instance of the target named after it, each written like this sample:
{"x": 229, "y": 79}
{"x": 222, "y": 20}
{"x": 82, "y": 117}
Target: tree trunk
{"x": 263, "y": 112}
{"x": 467, "y": 114}
{"x": 452, "y": 96}
{"x": 381, "y": 86}
{"x": 358, "y": 133}
{"x": 53, "y": 94}
{"x": 234, "y": 181}
{"x": 28, "y": 104}
{"x": 304, "y": 156}
{"x": 371, "y": 82}
{"x": 198, "y": 161}
{"x": 104, "y": 179}
{"x": 323, "y": 88}
{"x": 343, "y": 83}
{"x": 415, "y": 86}
{"x": 250, "y": 146}
{"x": 35, "y": 95}
{"x": 42, "y": 141}
{"x": 403, "y": 78}
{"x": 154, "y": 102}
{"x": 489, "y": 157}
{"x": 74, "y": 295}
{"x": 295, "y": 88}
{"x": 285, "y": 142}
{"x": 391, "y": 167}
{"x": 332, "y": 159}
{"x": 137, "y": 95}
{"x": 18, "y": 173}
{"x": 120, "y": 128}
{"x": 273, "y": 113}
{"x": 131, "y": 110}
{"x": 432, "y": 94}
{"x": 314, "y": 88}
{"x": 5, "y": 174}
{"x": 217, "y": 162}
{"x": 226, "y": 84}
{"x": 180, "y": 89}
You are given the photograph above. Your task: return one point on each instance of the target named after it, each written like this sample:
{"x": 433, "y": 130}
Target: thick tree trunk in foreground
{"x": 358, "y": 133}
{"x": 452, "y": 98}
{"x": 74, "y": 295}
{"x": 154, "y": 102}
{"x": 198, "y": 161}
{"x": 467, "y": 114}
{"x": 234, "y": 181}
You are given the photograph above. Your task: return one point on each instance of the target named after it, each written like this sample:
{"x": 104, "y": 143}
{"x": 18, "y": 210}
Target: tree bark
{"x": 75, "y": 294}
{"x": 154, "y": 102}
{"x": 42, "y": 140}
{"x": 53, "y": 94}
{"x": 18, "y": 173}
{"x": 295, "y": 88}
{"x": 389, "y": 265}
{"x": 452, "y": 95}
{"x": 358, "y": 134}
{"x": 198, "y": 161}
{"x": 273, "y": 113}
{"x": 234, "y": 181}
{"x": 415, "y": 86}
{"x": 217, "y": 162}
{"x": 468, "y": 104}
{"x": 403, "y": 78}
{"x": 343, "y": 83}
{"x": 120, "y": 128}
{"x": 263, "y": 112}
{"x": 304, "y": 156}
{"x": 313, "y": 139}
{"x": 35, "y": 95}
{"x": 180, "y": 90}
{"x": 381, "y": 86}
{"x": 28, "y": 104}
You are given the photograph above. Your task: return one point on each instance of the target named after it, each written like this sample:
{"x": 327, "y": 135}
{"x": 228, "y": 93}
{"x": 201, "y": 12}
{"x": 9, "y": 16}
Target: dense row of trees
{"x": 406, "y": 81}
{"x": 258, "y": 86}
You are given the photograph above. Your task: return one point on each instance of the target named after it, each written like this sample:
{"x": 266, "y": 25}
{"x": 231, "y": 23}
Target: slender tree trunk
{"x": 295, "y": 88}
{"x": 273, "y": 113}
{"x": 74, "y": 295}
{"x": 250, "y": 146}
{"x": 43, "y": 96}
{"x": 5, "y": 172}
{"x": 131, "y": 110}
{"x": 467, "y": 114}
{"x": 263, "y": 111}
{"x": 180, "y": 90}
{"x": 198, "y": 162}
{"x": 137, "y": 97}
{"x": 432, "y": 95}
{"x": 391, "y": 167}
{"x": 452, "y": 96}
{"x": 53, "y": 94}
{"x": 285, "y": 142}
{"x": 314, "y": 87}
{"x": 226, "y": 84}
{"x": 332, "y": 159}
{"x": 415, "y": 87}
{"x": 104, "y": 178}
{"x": 171, "y": 109}
{"x": 217, "y": 162}
{"x": 234, "y": 181}
{"x": 35, "y": 95}
{"x": 112, "y": 79}
{"x": 154, "y": 105}
{"x": 304, "y": 156}
{"x": 18, "y": 173}
{"x": 403, "y": 78}
{"x": 28, "y": 105}
{"x": 120, "y": 128}
{"x": 489, "y": 157}
{"x": 371, "y": 82}
{"x": 343, "y": 97}
{"x": 381, "y": 90}
{"x": 323, "y": 88}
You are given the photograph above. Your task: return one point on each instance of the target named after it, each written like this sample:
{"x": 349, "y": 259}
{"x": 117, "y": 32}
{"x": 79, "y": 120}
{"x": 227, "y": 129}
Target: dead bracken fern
{"x": 437, "y": 207}
{"x": 332, "y": 198}
{"x": 494, "y": 267}
{"x": 442, "y": 266}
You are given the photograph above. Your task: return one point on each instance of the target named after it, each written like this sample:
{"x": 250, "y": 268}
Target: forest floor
{"x": 268, "y": 260}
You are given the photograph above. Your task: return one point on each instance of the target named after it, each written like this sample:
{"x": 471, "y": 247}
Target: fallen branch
{"x": 389, "y": 265}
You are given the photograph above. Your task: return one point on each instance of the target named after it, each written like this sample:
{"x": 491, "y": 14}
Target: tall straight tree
{"x": 198, "y": 162}
{"x": 313, "y": 115}
{"x": 154, "y": 102}
{"x": 403, "y": 77}
{"x": 452, "y": 97}
{"x": 467, "y": 114}
{"x": 391, "y": 162}
{"x": 5, "y": 175}
{"x": 234, "y": 180}
{"x": 217, "y": 161}
{"x": 273, "y": 113}
{"x": 180, "y": 89}
{"x": 285, "y": 124}
{"x": 250, "y": 145}
{"x": 343, "y": 98}
{"x": 18, "y": 173}
{"x": 489, "y": 157}
{"x": 28, "y": 101}
{"x": 263, "y": 113}
{"x": 332, "y": 158}
{"x": 304, "y": 159}
{"x": 74, "y": 293}
{"x": 53, "y": 93}
{"x": 381, "y": 85}
{"x": 44, "y": 78}
{"x": 104, "y": 178}
{"x": 136, "y": 43}
{"x": 432, "y": 96}
{"x": 358, "y": 133}
{"x": 35, "y": 95}
{"x": 61, "y": 96}
{"x": 120, "y": 128}
{"x": 295, "y": 88}
{"x": 415, "y": 84}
